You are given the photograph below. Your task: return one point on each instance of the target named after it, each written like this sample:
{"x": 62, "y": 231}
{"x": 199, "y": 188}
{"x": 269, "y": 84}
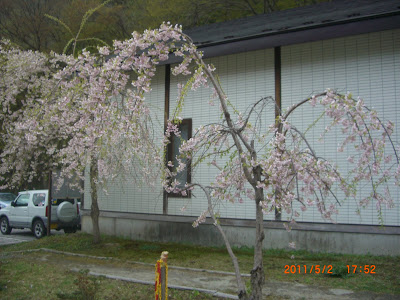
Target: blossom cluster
{"x": 281, "y": 165}
{"x": 65, "y": 112}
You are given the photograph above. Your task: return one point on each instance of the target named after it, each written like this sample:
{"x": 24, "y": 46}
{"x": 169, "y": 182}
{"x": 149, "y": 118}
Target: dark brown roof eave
{"x": 303, "y": 35}
{"x": 299, "y": 35}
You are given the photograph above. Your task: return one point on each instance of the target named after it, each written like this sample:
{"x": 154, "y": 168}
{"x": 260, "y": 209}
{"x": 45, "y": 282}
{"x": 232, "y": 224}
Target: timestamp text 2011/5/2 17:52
{"x": 327, "y": 269}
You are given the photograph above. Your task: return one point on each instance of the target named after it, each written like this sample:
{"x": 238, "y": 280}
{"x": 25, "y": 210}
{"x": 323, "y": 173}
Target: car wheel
{"x": 38, "y": 229}
{"x": 5, "y": 226}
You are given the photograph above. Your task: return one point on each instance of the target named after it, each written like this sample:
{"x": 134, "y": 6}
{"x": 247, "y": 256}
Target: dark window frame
{"x": 187, "y": 122}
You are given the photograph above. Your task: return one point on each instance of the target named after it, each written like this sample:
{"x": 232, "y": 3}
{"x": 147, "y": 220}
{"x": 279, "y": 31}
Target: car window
{"x": 7, "y": 197}
{"x": 38, "y": 199}
{"x": 22, "y": 200}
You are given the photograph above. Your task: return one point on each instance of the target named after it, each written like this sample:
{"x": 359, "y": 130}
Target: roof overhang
{"x": 297, "y": 36}
{"x": 327, "y": 20}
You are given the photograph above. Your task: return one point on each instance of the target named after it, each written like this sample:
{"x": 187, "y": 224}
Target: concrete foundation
{"x": 346, "y": 239}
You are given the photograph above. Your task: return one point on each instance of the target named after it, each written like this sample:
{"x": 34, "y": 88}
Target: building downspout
{"x": 278, "y": 99}
{"x": 166, "y": 117}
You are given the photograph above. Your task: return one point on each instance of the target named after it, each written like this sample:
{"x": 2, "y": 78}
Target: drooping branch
{"x": 294, "y": 107}
{"x": 228, "y": 119}
{"x": 239, "y": 281}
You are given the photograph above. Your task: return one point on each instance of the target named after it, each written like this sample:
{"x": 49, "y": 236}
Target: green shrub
{"x": 340, "y": 271}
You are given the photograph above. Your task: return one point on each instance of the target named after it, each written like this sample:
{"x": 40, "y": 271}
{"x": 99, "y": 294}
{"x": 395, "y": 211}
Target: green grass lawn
{"x": 385, "y": 279}
{"x": 25, "y": 279}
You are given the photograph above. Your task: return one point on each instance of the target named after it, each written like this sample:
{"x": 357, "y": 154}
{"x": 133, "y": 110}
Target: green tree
{"x": 191, "y": 13}
{"x": 89, "y": 23}
{"x": 24, "y": 23}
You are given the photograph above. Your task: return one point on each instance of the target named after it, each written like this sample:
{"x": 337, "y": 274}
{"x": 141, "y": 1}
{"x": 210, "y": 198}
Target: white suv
{"x": 30, "y": 210}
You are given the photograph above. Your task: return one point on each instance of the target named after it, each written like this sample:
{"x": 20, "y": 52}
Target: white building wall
{"x": 245, "y": 78}
{"x": 366, "y": 65}
{"x": 129, "y": 196}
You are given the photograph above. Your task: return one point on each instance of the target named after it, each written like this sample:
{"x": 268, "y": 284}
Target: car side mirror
{"x": 13, "y": 203}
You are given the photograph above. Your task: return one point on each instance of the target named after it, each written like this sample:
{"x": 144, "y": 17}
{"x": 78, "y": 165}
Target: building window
{"x": 173, "y": 151}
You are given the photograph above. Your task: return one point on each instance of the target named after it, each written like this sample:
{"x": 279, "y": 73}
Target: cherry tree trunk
{"x": 94, "y": 212}
{"x": 257, "y": 273}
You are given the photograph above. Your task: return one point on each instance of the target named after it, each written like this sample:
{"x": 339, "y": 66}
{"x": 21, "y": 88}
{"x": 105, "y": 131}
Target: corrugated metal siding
{"x": 128, "y": 196}
{"x": 246, "y": 78}
{"x": 368, "y": 66}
